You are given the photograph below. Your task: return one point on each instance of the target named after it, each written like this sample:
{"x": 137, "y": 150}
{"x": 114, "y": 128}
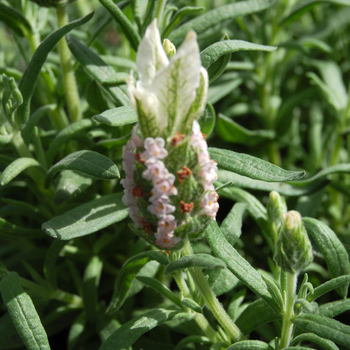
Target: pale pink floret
{"x": 160, "y": 206}
{"x": 165, "y": 186}
{"x": 135, "y": 138}
{"x": 154, "y": 148}
{"x": 210, "y": 204}
{"x": 166, "y": 241}
{"x": 155, "y": 170}
{"x": 167, "y": 225}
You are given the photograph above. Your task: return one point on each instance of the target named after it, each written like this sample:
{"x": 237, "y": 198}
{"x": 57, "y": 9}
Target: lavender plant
{"x": 108, "y": 136}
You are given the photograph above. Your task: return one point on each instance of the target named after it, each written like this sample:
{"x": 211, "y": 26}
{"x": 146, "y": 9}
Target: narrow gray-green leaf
{"x": 14, "y": 20}
{"x": 16, "y": 167}
{"x": 65, "y": 135}
{"x": 127, "y": 274}
{"x": 117, "y": 116}
{"x": 104, "y": 74}
{"x": 204, "y": 261}
{"x": 310, "y": 337}
{"x": 192, "y": 339}
{"x": 129, "y": 332}
{"x": 212, "y": 53}
{"x": 231, "y": 131}
{"x": 207, "y": 120}
{"x": 283, "y": 189}
{"x": 5, "y": 139}
{"x": 239, "y": 266}
{"x": 250, "y": 345}
{"x": 31, "y": 74}
{"x": 87, "y": 218}
{"x": 324, "y": 327}
{"x": 13, "y": 232}
{"x": 255, "y": 315}
{"x": 192, "y": 305}
{"x": 255, "y": 168}
{"x": 161, "y": 288}
{"x": 217, "y": 16}
{"x": 231, "y": 227}
{"x": 333, "y": 250}
{"x": 23, "y": 313}
{"x": 334, "y": 283}
{"x": 334, "y": 308}
{"x": 87, "y": 162}
{"x": 128, "y": 29}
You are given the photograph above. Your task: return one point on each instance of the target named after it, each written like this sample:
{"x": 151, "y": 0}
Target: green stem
{"x": 211, "y": 300}
{"x": 159, "y": 10}
{"x": 199, "y": 318}
{"x": 290, "y": 289}
{"x": 69, "y": 82}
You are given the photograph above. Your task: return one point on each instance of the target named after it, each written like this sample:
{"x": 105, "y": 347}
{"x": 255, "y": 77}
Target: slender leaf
{"x": 324, "y": 327}
{"x": 86, "y": 162}
{"x": 239, "y": 266}
{"x": 255, "y": 168}
{"x": 333, "y": 250}
{"x": 250, "y": 345}
{"x": 13, "y": 232}
{"x": 231, "y": 131}
{"x": 129, "y": 332}
{"x": 31, "y": 74}
{"x": 117, "y": 116}
{"x": 204, "y": 261}
{"x": 14, "y": 20}
{"x": 221, "y": 280}
{"x": 207, "y": 120}
{"x": 127, "y": 274}
{"x": 192, "y": 305}
{"x": 87, "y": 218}
{"x": 23, "y": 313}
{"x": 310, "y": 337}
{"x": 192, "y": 339}
{"x": 214, "y": 17}
{"x": 334, "y": 308}
{"x": 104, "y": 74}
{"x": 128, "y": 29}
{"x": 15, "y": 168}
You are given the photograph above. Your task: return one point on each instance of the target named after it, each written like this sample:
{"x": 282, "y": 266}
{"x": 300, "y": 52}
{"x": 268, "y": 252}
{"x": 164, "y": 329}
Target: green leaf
{"x": 306, "y": 6}
{"x": 65, "y": 135}
{"x": 76, "y": 330}
{"x": 231, "y": 227}
{"x": 324, "y": 327}
{"x": 160, "y": 288}
{"x": 250, "y": 345}
{"x": 255, "y": 315}
{"x": 13, "y": 232}
{"x": 221, "y": 280}
{"x": 127, "y": 274}
{"x": 213, "y": 52}
{"x": 117, "y": 116}
{"x": 223, "y": 87}
{"x": 69, "y": 184}
{"x": 50, "y": 264}
{"x": 128, "y": 29}
{"x": 23, "y": 313}
{"x": 334, "y": 308}
{"x": 34, "y": 119}
{"x": 333, "y": 250}
{"x": 129, "y": 332}
{"x": 239, "y": 266}
{"x": 310, "y": 337}
{"x": 192, "y": 305}
{"x": 87, "y": 218}
{"x": 207, "y": 120}
{"x": 204, "y": 261}
{"x": 217, "y": 16}
{"x": 334, "y": 283}
{"x": 87, "y": 162}
{"x": 231, "y": 131}
{"x": 91, "y": 281}
{"x": 14, "y": 20}
{"x": 192, "y": 339}
{"x": 284, "y": 189}
{"x": 104, "y": 74}
{"x": 187, "y": 10}
{"x": 15, "y": 168}
{"x": 255, "y": 168}
{"x": 31, "y": 74}
{"x": 5, "y": 139}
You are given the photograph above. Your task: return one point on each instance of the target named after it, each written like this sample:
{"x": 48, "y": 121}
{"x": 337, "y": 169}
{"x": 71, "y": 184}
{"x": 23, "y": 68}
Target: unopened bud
{"x": 276, "y": 207}
{"x": 169, "y": 48}
{"x": 52, "y": 3}
{"x": 293, "y": 248}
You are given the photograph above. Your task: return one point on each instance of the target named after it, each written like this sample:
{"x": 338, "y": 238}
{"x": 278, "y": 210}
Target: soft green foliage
{"x": 268, "y": 82}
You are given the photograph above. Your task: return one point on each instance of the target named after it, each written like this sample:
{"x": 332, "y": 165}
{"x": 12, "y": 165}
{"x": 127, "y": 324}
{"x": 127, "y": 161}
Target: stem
{"x": 69, "y": 82}
{"x": 199, "y": 318}
{"x": 287, "y": 328}
{"x": 159, "y": 10}
{"x": 211, "y": 300}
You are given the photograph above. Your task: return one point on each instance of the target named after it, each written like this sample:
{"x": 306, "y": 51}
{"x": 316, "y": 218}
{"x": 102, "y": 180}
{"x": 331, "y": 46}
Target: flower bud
{"x": 293, "y": 247}
{"x": 276, "y": 207}
{"x": 52, "y": 3}
{"x": 169, "y": 48}
{"x": 169, "y": 187}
